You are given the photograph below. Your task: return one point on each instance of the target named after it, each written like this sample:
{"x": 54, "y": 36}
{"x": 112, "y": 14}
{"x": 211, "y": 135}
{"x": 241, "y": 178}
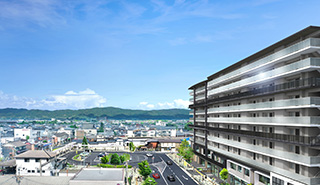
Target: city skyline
{"x": 131, "y": 54}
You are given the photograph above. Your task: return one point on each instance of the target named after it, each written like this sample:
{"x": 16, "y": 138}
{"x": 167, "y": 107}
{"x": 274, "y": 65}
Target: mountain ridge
{"x": 99, "y": 112}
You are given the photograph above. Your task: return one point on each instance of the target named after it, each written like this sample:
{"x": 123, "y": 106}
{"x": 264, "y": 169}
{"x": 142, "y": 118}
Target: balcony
{"x": 296, "y": 49}
{"x": 200, "y": 112}
{"x": 280, "y": 154}
{"x": 200, "y": 90}
{"x": 288, "y": 86}
{"x": 299, "y": 140}
{"x": 283, "y": 121}
{"x": 201, "y": 97}
{"x": 279, "y": 104}
{"x": 276, "y": 73}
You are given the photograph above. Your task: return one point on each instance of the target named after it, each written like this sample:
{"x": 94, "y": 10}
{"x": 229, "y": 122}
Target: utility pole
{"x": 40, "y": 168}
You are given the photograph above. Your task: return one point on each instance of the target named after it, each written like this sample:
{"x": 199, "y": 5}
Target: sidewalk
{"x": 192, "y": 171}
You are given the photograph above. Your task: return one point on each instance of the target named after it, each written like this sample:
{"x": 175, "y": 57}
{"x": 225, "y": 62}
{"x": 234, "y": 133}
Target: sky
{"x": 75, "y": 54}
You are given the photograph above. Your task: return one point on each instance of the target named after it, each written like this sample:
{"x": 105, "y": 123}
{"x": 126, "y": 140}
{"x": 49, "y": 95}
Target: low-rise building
{"x": 38, "y": 163}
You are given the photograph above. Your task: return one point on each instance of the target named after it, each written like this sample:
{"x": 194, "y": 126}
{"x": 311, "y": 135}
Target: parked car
{"x": 169, "y": 162}
{"x": 156, "y": 176}
{"x": 149, "y": 155}
{"x": 171, "y": 178}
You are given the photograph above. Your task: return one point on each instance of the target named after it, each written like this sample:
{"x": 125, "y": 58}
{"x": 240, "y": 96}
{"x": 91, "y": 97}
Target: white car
{"x": 149, "y": 155}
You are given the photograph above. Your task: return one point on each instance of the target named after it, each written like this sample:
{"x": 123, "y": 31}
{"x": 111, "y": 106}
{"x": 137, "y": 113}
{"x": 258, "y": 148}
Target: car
{"x": 156, "y": 176}
{"x": 169, "y": 162}
{"x": 149, "y": 155}
{"x": 101, "y": 155}
{"x": 171, "y": 178}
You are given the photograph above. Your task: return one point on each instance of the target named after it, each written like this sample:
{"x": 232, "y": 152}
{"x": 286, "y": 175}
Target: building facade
{"x": 260, "y": 117}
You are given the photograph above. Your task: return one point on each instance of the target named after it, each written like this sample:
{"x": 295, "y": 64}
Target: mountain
{"x": 109, "y": 112}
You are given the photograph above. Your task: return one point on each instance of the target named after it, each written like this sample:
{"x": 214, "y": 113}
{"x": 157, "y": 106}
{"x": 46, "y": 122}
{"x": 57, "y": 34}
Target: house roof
{"x": 16, "y": 144}
{"x": 36, "y": 154}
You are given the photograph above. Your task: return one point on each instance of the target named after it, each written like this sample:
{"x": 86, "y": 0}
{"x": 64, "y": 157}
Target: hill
{"x": 109, "y": 112}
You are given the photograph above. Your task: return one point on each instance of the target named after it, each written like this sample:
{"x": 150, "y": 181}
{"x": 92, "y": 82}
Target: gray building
{"x": 260, "y": 117}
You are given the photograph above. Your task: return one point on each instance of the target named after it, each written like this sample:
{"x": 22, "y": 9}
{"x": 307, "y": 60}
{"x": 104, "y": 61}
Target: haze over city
{"x": 131, "y": 54}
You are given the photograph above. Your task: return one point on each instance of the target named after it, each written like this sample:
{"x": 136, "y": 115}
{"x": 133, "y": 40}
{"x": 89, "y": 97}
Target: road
{"x": 157, "y": 164}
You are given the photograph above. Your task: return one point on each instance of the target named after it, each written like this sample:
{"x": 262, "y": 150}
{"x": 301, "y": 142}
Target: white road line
{"x": 179, "y": 180}
{"x": 161, "y": 173}
{"x": 185, "y": 177}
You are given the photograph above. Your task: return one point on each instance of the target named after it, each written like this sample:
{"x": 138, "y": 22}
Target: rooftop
{"x": 36, "y": 154}
{"x": 100, "y": 174}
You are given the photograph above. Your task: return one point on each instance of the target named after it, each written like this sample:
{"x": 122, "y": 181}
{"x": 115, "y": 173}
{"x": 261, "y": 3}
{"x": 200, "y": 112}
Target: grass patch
{"x": 76, "y": 157}
{"x": 113, "y": 166}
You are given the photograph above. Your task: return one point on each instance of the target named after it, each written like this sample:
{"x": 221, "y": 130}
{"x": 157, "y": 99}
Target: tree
{"x": 101, "y": 128}
{"x": 186, "y": 126}
{"x": 85, "y": 142}
{"x": 131, "y": 146}
{"x": 115, "y": 159}
{"x": 185, "y": 150}
{"x": 27, "y": 137}
{"x": 144, "y": 169}
{"x": 104, "y": 159}
{"x": 149, "y": 181}
{"x": 224, "y": 174}
{"x": 122, "y": 159}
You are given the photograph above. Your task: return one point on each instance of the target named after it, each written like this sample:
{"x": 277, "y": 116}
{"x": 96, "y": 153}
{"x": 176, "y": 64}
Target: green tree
{"x": 104, "y": 159}
{"x": 149, "y": 181}
{"x": 85, "y": 142}
{"x": 115, "y": 159}
{"x": 101, "y": 128}
{"x": 122, "y": 159}
{"x": 27, "y": 137}
{"x": 144, "y": 169}
{"x": 131, "y": 146}
{"x": 186, "y": 126}
{"x": 224, "y": 174}
{"x": 185, "y": 150}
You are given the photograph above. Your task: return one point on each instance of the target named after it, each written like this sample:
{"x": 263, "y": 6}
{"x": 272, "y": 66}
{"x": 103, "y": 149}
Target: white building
{"x": 37, "y": 163}
{"x": 22, "y": 133}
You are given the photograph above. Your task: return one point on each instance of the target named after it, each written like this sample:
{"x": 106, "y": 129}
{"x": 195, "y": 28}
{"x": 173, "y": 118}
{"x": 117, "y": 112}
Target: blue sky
{"x": 131, "y": 54}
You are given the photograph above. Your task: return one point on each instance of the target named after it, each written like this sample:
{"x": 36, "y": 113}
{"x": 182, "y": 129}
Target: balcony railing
{"x": 305, "y": 44}
{"x": 294, "y": 121}
{"x": 281, "y": 71}
{"x": 300, "y": 140}
{"x": 286, "y": 104}
{"x": 291, "y": 85}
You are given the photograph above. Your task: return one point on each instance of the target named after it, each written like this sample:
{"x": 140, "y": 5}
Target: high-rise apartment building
{"x": 260, "y": 117}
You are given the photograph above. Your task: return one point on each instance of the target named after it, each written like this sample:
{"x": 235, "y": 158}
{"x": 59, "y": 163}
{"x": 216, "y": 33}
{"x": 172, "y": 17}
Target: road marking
{"x": 179, "y": 180}
{"x": 185, "y": 177}
{"x": 161, "y": 173}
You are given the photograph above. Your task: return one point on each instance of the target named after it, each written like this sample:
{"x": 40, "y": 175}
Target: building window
{"x": 264, "y": 180}
{"x": 29, "y": 171}
{"x": 33, "y": 171}
{"x": 297, "y": 168}
{"x": 37, "y": 160}
{"x": 254, "y": 156}
{"x": 233, "y": 166}
{"x": 297, "y": 150}
{"x": 270, "y": 160}
{"x": 246, "y": 172}
{"x": 26, "y": 160}
{"x": 239, "y": 152}
{"x": 239, "y": 169}
{"x": 276, "y": 181}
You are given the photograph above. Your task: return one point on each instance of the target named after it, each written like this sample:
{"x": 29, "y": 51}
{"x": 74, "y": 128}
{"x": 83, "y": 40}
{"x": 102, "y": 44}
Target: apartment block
{"x": 260, "y": 117}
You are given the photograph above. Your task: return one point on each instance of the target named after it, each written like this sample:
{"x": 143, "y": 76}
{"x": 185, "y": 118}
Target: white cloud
{"x": 177, "y": 103}
{"x": 70, "y": 100}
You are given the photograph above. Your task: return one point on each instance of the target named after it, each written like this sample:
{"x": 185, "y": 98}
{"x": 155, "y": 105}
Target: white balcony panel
{"x": 200, "y": 112}
{"x": 283, "y": 71}
{"x": 308, "y": 45}
{"x": 284, "y": 121}
{"x": 260, "y": 165}
{"x": 273, "y": 105}
{"x": 279, "y": 154}
{"x": 201, "y": 97}
{"x": 200, "y": 120}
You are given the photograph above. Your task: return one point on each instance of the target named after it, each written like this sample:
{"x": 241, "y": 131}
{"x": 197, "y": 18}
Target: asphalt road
{"x": 157, "y": 164}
